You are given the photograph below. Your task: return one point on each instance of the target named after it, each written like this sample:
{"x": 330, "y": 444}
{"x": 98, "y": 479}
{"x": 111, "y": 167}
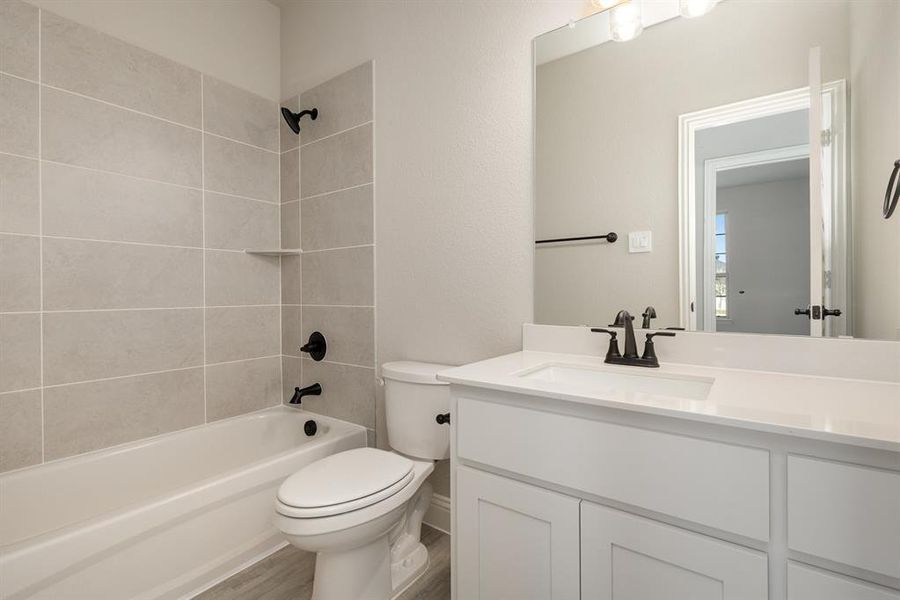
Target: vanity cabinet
{"x": 559, "y": 501}
{"x": 625, "y": 557}
{"x": 514, "y": 541}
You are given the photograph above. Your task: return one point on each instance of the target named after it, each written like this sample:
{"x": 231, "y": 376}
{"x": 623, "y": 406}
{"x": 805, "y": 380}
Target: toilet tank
{"x": 413, "y": 397}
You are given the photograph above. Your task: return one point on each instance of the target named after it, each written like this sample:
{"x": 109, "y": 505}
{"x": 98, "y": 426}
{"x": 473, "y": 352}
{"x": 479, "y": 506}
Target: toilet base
{"x": 407, "y": 571}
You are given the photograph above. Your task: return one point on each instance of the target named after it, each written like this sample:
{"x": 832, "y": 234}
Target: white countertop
{"x": 850, "y": 411}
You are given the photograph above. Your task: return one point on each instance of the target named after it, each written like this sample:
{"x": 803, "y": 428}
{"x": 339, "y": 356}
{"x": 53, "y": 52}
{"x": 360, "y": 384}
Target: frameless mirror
{"x": 741, "y": 158}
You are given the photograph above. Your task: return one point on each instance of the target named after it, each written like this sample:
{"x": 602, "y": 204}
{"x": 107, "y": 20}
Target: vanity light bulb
{"x": 695, "y": 8}
{"x": 625, "y": 21}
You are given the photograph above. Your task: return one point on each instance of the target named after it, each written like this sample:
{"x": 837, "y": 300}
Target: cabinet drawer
{"x": 807, "y": 583}
{"x": 845, "y": 513}
{"x": 719, "y": 485}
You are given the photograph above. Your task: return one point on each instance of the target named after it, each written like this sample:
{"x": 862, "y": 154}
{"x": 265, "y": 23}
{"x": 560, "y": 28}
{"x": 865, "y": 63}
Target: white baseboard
{"x": 438, "y": 513}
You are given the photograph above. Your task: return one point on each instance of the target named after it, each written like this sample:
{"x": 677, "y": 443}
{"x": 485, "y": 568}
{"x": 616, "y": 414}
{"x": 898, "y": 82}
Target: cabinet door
{"x": 514, "y": 541}
{"x": 624, "y": 557}
{"x": 808, "y": 583}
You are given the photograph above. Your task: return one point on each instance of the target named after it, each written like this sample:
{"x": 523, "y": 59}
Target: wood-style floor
{"x": 288, "y": 575}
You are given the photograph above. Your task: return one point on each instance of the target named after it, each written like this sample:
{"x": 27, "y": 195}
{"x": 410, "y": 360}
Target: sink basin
{"x": 601, "y": 381}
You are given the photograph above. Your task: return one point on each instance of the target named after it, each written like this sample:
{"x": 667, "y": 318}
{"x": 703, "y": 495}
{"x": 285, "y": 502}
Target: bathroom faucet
{"x": 630, "y": 358}
{"x": 649, "y": 313}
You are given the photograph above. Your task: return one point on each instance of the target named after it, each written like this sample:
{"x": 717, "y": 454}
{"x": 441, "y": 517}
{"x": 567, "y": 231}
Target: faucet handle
{"x": 613, "y": 350}
{"x": 650, "y": 336}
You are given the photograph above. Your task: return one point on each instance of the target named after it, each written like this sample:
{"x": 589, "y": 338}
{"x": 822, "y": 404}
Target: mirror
{"x": 740, "y": 157}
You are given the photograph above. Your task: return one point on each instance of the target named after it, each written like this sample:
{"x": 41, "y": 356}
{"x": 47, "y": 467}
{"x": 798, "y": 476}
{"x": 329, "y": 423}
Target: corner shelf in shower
{"x": 273, "y": 251}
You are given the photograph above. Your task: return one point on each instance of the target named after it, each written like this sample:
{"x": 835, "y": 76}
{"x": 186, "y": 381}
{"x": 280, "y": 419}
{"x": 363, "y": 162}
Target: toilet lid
{"x": 345, "y": 481}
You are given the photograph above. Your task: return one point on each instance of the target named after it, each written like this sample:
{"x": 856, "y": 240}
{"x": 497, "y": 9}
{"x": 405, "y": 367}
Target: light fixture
{"x": 625, "y": 21}
{"x": 605, "y": 4}
{"x": 695, "y": 8}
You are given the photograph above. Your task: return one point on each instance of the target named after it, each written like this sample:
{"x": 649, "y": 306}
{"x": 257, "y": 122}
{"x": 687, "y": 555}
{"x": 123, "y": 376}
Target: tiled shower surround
{"x": 327, "y": 190}
{"x": 129, "y": 186}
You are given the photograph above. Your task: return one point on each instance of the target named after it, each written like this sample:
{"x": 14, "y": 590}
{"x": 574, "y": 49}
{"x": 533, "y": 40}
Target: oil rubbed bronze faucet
{"x": 630, "y": 358}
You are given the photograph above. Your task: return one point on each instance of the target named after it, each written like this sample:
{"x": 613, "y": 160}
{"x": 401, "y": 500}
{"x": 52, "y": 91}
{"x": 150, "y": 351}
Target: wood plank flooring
{"x": 288, "y": 575}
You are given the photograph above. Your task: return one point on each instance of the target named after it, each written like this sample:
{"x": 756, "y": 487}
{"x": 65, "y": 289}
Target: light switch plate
{"x": 640, "y": 241}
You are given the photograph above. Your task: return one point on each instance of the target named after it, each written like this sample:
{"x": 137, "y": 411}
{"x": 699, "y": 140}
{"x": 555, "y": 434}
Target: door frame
{"x": 689, "y": 124}
{"x": 711, "y": 169}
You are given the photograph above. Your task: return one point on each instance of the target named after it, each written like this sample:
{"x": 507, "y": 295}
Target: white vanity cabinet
{"x": 554, "y": 500}
{"x": 625, "y": 557}
{"x": 514, "y": 541}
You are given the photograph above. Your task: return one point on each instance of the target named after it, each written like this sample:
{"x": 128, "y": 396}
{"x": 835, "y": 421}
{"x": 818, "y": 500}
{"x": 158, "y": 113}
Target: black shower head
{"x": 293, "y": 119}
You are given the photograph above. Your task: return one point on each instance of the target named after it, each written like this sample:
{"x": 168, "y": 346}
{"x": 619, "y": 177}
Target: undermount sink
{"x": 601, "y": 381}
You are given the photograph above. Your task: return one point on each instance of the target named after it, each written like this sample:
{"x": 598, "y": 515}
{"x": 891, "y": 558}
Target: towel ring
{"x": 890, "y": 204}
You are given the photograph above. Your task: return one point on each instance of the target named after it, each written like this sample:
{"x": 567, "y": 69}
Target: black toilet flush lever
{"x": 310, "y": 390}
{"x": 315, "y": 346}
{"x": 443, "y": 419}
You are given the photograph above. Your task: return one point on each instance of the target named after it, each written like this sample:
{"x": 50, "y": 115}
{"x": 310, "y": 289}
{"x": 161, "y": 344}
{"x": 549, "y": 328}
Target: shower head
{"x": 293, "y": 119}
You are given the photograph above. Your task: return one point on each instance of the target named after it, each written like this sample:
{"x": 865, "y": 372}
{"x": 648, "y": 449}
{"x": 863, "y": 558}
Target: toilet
{"x": 361, "y": 510}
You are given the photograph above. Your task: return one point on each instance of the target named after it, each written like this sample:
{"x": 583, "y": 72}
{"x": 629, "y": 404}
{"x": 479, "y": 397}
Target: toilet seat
{"x": 344, "y": 482}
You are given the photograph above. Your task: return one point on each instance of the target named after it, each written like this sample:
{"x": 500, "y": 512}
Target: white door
{"x": 514, "y": 541}
{"x": 624, "y": 557}
{"x": 808, "y": 583}
{"x": 817, "y": 192}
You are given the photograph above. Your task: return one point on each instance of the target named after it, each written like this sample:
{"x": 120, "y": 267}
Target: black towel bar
{"x": 610, "y": 237}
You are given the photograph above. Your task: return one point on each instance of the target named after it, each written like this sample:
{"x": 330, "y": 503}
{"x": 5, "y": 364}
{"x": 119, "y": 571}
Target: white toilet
{"x": 361, "y": 510}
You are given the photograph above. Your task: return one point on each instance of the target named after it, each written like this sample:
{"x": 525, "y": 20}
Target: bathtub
{"x": 160, "y": 518}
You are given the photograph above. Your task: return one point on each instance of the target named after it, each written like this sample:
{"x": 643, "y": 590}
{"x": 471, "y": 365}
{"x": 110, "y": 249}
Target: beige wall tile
{"x": 20, "y": 429}
{"x": 91, "y": 275}
{"x": 343, "y": 102}
{"x": 241, "y": 333}
{"x": 80, "y": 346}
{"x": 238, "y": 169}
{"x": 87, "y": 133}
{"x": 19, "y": 39}
{"x": 83, "y": 60}
{"x": 88, "y": 416}
{"x": 19, "y": 117}
{"x": 348, "y": 393}
{"x": 290, "y": 175}
{"x": 104, "y": 206}
{"x": 240, "y": 387}
{"x": 20, "y": 273}
{"x": 290, "y": 373}
{"x": 239, "y": 223}
{"x": 289, "y": 139}
{"x": 337, "y": 162}
{"x": 20, "y": 352}
{"x": 290, "y": 225}
{"x": 239, "y": 115}
{"x": 339, "y": 277}
{"x": 339, "y": 219}
{"x": 19, "y": 199}
{"x": 290, "y": 331}
{"x": 350, "y": 332}
{"x": 235, "y": 278}
{"x": 290, "y": 280}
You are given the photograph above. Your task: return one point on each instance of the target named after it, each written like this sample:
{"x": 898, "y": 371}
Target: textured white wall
{"x": 453, "y": 156}
{"x": 234, "y": 40}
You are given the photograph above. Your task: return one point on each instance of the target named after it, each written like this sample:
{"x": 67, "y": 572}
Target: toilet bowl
{"x": 361, "y": 510}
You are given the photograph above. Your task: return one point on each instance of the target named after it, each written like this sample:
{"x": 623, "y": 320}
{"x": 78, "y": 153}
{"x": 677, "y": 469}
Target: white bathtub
{"x": 160, "y": 518}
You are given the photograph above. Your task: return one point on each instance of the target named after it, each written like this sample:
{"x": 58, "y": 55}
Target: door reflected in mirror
{"x": 750, "y": 149}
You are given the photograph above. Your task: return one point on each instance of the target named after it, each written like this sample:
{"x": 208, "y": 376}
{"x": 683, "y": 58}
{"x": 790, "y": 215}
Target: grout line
{"x": 23, "y": 390}
{"x": 290, "y": 202}
{"x": 280, "y": 271}
{"x": 299, "y": 374}
{"x": 203, "y": 238}
{"x": 127, "y": 243}
{"x": 139, "y": 178}
{"x": 339, "y": 248}
{"x": 158, "y": 118}
{"x": 343, "y": 364}
{"x": 241, "y": 142}
{"x": 145, "y": 308}
{"x": 160, "y": 372}
{"x": 116, "y": 377}
{"x": 338, "y": 305}
{"x": 352, "y": 187}
{"x": 331, "y": 135}
{"x": 19, "y": 77}
{"x": 374, "y": 268}
{"x": 41, "y": 231}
